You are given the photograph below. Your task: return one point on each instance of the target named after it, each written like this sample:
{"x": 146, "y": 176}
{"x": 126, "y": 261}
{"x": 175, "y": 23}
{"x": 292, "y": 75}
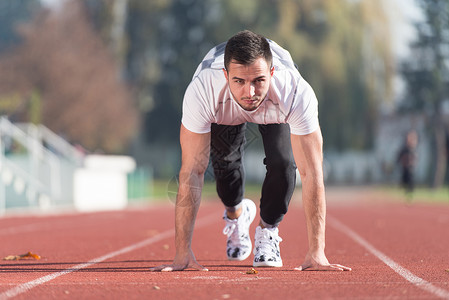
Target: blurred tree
{"x": 66, "y": 67}
{"x": 109, "y": 19}
{"x": 185, "y": 37}
{"x": 166, "y": 40}
{"x": 427, "y": 78}
{"x": 340, "y": 46}
{"x": 341, "y": 49}
{"x": 12, "y": 13}
{"x": 143, "y": 56}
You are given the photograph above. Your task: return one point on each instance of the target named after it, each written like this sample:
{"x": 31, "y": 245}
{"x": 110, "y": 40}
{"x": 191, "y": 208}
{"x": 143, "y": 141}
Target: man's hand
{"x": 181, "y": 263}
{"x": 308, "y": 153}
{"x": 320, "y": 263}
{"x": 195, "y": 158}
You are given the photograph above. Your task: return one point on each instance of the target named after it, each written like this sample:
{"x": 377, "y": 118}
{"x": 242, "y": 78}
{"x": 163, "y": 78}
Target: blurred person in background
{"x": 251, "y": 79}
{"x": 407, "y": 160}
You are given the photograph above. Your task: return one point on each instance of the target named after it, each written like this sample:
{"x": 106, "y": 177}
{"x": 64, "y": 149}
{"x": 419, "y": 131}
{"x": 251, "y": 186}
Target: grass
{"x": 420, "y": 194}
{"x": 166, "y": 189}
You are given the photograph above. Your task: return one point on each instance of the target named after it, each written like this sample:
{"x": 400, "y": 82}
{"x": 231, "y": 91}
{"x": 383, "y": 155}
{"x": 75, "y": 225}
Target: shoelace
{"x": 265, "y": 244}
{"x": 231, "y": 232}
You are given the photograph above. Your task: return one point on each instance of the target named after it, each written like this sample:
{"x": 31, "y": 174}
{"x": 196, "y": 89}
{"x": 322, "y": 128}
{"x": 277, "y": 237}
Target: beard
{"x": 249, "y": 104}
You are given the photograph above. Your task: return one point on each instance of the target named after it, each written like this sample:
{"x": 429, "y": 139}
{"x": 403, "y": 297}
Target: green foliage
{"x": 334, "y": 44}
{"x": 427, "y": 78}
{"x": 339, "y": 46}
{"x": 427, "y": 72}
{"x": 35, "y": 108}
{"x": 10, "y": 103}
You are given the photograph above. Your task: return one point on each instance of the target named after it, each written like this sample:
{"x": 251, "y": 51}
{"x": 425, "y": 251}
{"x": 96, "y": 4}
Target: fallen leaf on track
{"x": 27, "y": 255}
{"x": 252, "y": 271}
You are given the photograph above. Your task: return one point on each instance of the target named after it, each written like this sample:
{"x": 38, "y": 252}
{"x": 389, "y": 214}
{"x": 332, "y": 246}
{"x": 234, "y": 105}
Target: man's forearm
{"x": 315, "y": 210}
{"x": 187, "y": 204}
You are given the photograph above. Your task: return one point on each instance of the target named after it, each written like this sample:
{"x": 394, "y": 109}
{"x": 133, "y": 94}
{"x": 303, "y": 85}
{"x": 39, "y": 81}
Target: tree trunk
{"x": 118, "y": 31}
{"x": 440, "y": 153}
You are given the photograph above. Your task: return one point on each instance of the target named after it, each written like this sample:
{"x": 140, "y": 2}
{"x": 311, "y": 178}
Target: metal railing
{"x": 30, "y": 173}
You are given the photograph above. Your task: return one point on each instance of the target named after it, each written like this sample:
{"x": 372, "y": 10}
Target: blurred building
{"x": 377, "y": 166}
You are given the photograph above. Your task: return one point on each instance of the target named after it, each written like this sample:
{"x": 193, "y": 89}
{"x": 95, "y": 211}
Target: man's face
{"x": 249, "y": 83}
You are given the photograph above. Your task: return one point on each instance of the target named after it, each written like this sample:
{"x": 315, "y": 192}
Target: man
{"x": 407, "y": 159}
{"x": 250, "y": 79}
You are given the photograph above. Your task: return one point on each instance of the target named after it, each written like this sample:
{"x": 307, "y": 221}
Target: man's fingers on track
{"x": 333, "y": 267}
{"x": 157, "y": 269}
{"x": 163, "y": 268}
{"x": 199, "y": 267}
{"x": 170, "y": 268}
{"x": 343, "y": 268}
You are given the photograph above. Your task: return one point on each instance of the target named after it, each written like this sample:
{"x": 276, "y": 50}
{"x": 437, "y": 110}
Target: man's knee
{"x": 280, "y": 165}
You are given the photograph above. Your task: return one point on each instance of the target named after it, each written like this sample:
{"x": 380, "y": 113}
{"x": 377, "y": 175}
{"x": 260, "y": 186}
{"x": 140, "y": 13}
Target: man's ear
{"x": 225, "y": 73}
{"x": 272, "y": 71}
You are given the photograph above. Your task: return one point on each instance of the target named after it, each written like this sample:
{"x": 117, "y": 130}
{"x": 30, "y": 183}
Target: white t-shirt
{"x": 290, "y": 99}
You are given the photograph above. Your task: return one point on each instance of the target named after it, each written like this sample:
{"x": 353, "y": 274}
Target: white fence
{"x": 41, "y": 171}
{"x": 31, "y": 175}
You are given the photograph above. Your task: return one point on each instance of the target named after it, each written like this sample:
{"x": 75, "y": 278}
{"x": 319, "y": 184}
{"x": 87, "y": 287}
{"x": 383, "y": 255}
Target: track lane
{"x": 126, "y": 275}
{"x": 415, "y": 236}
{"x": 403, "y": 272}
{"x": 24, "y": 287}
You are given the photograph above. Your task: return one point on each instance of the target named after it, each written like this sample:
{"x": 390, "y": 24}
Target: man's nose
{"x": 251, "y": 90}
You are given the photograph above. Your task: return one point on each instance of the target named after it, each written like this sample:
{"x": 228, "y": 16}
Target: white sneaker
{"x": 239, "y": 243}
{"x": 266, "y": 248}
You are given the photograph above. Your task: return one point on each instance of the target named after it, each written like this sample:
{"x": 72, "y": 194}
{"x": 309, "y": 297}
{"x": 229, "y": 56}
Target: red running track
{"x": 396, "y": 251}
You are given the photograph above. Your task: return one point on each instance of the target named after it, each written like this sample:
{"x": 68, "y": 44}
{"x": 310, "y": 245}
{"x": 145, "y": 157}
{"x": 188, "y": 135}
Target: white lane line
{"x": 25, "y": 287}
{"x": 406, "y": 274}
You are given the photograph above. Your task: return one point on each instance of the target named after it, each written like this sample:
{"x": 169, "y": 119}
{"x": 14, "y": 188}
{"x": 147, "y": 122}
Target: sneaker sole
{"x": 267, "y": 264}
{"x": 252, "y": 217}
{"x": 239, "y": 258}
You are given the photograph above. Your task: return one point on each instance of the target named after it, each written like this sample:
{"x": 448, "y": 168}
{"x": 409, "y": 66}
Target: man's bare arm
{"x": 195, "y": 158}
{"x": 307, "y": 150}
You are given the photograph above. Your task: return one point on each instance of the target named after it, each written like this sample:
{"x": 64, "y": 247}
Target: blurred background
{"x": 91, "y": 91}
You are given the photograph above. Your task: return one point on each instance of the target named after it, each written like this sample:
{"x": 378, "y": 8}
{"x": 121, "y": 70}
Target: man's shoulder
{"x": 281, "y": 57}
{"x": 209, "y": 82}
{"x": 214, "y": 60}
{"x": 216, "y": 51}
{"x": 210, "y": 77}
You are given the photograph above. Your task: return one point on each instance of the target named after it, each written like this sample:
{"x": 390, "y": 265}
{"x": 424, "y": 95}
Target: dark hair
{"x": 245, "y": 47}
